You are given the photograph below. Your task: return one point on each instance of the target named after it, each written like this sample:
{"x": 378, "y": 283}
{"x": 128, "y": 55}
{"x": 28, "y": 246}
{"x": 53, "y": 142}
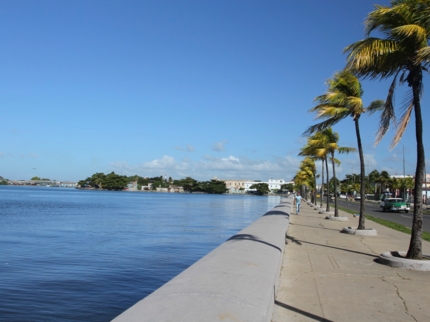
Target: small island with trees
{"x": 113, "y": 181}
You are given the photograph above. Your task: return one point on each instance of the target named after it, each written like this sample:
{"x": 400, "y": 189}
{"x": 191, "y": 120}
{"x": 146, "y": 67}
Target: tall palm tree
{"x": 403, "y": 54}
{"x": 329, "y": 139}
{"x": 317, "y": 147}
{"x": 343, "y": 99}
{"x": 319, "y": 142}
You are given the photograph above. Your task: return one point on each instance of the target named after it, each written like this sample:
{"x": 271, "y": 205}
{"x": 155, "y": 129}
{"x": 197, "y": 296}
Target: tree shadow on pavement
{"x": 301, "y": 242}
{"x": 295, "y": 241}
{"x": 314, "y": 227}
{"x": 309, "y": 315}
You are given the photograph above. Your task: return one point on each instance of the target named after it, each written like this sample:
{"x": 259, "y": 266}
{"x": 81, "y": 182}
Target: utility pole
{"x": 404, "y": 175}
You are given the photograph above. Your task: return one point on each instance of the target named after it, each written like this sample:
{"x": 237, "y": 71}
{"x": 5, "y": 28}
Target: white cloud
{"x": 219, "y": 146}
{"x": 208, "y": 167}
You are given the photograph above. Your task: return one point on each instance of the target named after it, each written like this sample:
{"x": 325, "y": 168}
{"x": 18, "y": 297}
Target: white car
{"x": 342, "y": 196}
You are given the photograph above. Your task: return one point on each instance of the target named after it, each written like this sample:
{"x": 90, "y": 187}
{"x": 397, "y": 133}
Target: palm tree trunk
{"x": 415, "y": 245}
{"x": 315, "y": 188}
{"x": 328, "y": 187}
{"x": 362, "y": 220}
{"x": 322, "y": 183}
{"x": 336, "y": 212}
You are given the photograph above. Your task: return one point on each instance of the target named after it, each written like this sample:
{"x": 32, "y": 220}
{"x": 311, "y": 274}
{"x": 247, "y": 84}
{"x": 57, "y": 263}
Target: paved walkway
{"x": 330, "y": 276}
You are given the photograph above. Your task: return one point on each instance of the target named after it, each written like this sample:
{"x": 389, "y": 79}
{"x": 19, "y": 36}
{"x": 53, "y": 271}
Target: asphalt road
{"x": 373, "y": 209}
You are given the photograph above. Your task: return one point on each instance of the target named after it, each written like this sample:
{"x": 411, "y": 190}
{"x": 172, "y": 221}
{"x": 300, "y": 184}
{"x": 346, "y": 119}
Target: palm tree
{"x": 373, "y": 177}
{"x": 343, "y": 99}
{"x": 407, "y": 184}
{"x": 403, "y": 54}
{"x": 310, "y": 151}
{"x": 308, "y": 165}
{"x": 329, "y": 141}
{"x": 305, "y": 177}
{"x": 319, "y": 144}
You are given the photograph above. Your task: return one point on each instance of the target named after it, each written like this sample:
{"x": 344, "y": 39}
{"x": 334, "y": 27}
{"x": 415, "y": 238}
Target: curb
{"x": 337, "y": 218}
{"x": 359, "y": 232}
{"x": 396, "y": 259}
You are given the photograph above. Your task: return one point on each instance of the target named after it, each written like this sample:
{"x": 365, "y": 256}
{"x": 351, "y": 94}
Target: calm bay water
{"x": 72, "y": 255}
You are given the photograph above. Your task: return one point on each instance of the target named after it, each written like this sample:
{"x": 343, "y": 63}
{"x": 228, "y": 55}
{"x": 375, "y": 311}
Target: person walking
{"x": 297, "y": 201}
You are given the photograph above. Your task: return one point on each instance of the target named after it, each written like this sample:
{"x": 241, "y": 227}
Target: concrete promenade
{"x": 330, "y": 276}
{"x": 235, "y": 282}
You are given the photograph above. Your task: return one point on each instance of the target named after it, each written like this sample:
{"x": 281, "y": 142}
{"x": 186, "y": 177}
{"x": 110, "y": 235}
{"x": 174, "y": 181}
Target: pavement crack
{"x": 402, "y": 277}
{"x": 400, "y": 297}
{"x": 368, "y": 247}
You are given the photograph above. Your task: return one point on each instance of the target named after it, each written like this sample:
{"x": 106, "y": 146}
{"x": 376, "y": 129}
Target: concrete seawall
{"x": 235, "y": 282}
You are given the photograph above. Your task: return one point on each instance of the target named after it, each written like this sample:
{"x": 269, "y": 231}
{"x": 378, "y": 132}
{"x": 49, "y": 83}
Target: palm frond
{"x": 375, "y": 106}
{"x": 423, "y": 56}
{"x": 375, "y": 58}
{"x": 321, "y": 126}
{"x": 402, "y": 126}
{"x": 384, "y": 19}
{"x": 415, "y": 35}
{"x": 387, "y": 114}
{"x": 346, "y": 150}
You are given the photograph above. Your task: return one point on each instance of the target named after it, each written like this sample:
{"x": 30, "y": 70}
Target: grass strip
{"x": 389, "y": 224}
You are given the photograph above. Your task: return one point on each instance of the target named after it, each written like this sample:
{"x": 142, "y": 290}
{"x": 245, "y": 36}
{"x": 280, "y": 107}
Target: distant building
{"x": 235, "y": 186}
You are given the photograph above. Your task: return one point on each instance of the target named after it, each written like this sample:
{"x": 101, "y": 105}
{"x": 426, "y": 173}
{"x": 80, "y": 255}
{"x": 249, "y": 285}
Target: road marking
{"x": 405, "y": 216}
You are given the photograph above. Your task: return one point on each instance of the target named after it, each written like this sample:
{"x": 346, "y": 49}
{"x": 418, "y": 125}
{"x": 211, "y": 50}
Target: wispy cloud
{"x": 393, "y": 158}
{"x": 188, "y": 148}
{"x": 1, "y": 154}
{"x": 219, "y": 146}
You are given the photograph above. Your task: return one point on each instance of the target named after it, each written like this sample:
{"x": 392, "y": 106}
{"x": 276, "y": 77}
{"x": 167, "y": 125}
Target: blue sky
{"x": 183, "y": 88}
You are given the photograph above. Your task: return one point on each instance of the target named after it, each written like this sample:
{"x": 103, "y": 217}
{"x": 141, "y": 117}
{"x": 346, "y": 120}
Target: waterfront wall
{"x": 235, "y": 282}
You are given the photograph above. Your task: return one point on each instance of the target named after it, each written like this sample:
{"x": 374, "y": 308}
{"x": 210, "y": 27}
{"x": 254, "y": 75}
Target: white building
{"x": 274, "y": 184}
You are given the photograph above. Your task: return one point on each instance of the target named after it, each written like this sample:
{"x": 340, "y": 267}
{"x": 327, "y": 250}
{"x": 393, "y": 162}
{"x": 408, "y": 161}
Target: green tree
{"x": 115, "y": 182}
{"x": 402, "y": 54}
{"x": 98, "y": 180}
{"x": 35, "y": 178}
{"x": 214, "y": 187}
{"x": 344, "y": 99}
{"x": 262, "y": 188}
{"x": 188, "y": 184}
{"x": 288, "y": 187}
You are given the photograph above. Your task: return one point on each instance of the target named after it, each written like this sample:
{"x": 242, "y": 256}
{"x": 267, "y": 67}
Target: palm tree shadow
{"x": 309, "y": 315}
{"x": 253, "y": 238}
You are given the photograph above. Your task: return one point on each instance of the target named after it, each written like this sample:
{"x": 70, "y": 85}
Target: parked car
{"x": 357, "y": 197}
{"x": 342, "y": 196}
{"x": 395, "y": 204}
